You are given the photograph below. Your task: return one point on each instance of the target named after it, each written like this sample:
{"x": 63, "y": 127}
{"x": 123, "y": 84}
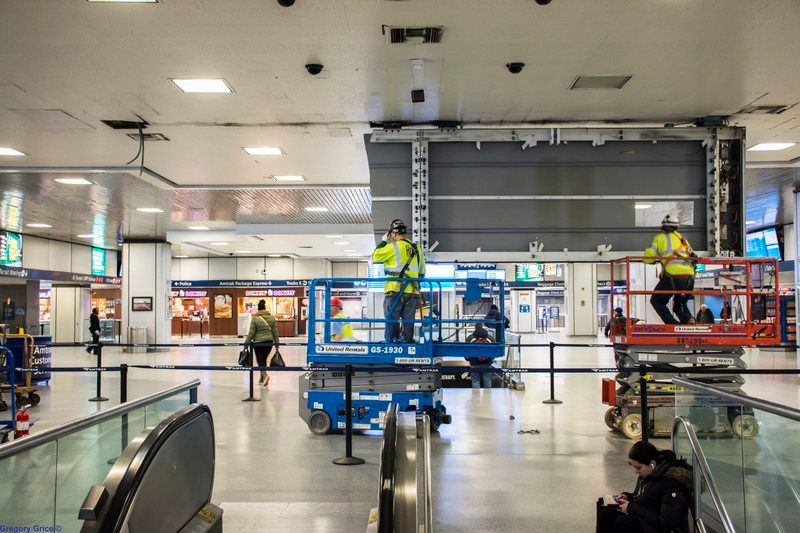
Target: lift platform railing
{"x": 732, "y": 279}
{"x": 404, "y": 498}
{"x": 430, "y": 342}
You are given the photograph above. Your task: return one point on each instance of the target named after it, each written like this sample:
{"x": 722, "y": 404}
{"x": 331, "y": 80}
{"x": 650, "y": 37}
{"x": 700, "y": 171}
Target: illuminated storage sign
{"x": 529, "y": 272}
{"x": 98, "y": 262}
{"x": 10, "y": 249}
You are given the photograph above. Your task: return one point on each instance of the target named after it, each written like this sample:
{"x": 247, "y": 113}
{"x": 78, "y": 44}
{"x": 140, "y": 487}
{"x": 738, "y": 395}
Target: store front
{"x": 608, "y": 301}
{"x": 225, "y": 308}
{"x": 190, "y": 312}
{"x": 109, "y": 304}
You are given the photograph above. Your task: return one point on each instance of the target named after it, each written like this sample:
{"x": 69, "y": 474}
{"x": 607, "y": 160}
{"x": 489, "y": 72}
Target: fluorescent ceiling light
{"x": 364, "y": 260}
{"x": 288, "y": 178}
{"x": 341, "y": 243}
{"x": 750, "y": 222}
{"x": 149, "y": 210}
{"x": 316, "y": 209}
{"x": 350, "y": 251}
{"x": 264, "y": 150}
{"x": 243, "y": 252}
{"x": 273, "y": 255}
{"x": 210, "y": 85}
{"x": 9, "y": 151}
{"x": 354, "y": 255}
{"x": 87, "y": 236}
{"x": 643, "y": 206}
{"x": 38, "y": 225}
{"x": 770, "y": 147}
{"x": 198, "y": 228}
{"x": 73, "y": 181}
{"x": 219, "y": 244}
{"x": 334, "y": 236}
{"x": 180, "y": 256}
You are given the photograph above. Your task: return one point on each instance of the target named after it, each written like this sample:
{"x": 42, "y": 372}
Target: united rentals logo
{"x": 342, "y": 349}
{"x": 692, "y": 329}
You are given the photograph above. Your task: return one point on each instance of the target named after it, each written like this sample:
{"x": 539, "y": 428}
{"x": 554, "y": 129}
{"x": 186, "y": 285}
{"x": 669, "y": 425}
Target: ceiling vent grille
{"x": 765, "y": 109}
{"x": 432, "y": 34}
{"x": 149, "y": 136}
{"x": 599, "y": 82}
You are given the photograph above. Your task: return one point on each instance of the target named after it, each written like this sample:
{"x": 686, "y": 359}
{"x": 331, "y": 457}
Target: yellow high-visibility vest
{"x": 674, "y": 253}
{"x": 394, "y": 256}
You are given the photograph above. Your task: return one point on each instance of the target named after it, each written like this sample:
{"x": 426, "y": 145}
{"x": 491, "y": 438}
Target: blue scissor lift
{"x": 378, "y": 378}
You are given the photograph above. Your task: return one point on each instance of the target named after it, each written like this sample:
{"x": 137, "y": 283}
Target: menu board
{"x": 10, "y": 249}
{"x": 223, "y": 306}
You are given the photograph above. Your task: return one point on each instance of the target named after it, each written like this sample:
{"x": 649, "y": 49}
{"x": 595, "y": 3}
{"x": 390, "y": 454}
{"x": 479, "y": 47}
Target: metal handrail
{"x": 699, "y": 460}
{"x": 49, "y": 435}
{"x": 756, "y": 403}
{"x": 427, "y": 504}
{"x": 387, "y": 469}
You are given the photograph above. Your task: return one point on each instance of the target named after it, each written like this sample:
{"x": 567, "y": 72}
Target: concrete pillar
{"x": 146, "y": 277}
{"x": 581, "y": 299}
{"x": 69, "y": 313}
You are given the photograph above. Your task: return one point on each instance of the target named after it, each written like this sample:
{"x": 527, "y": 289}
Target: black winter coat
{"x": 662, "y": 498}
{"x": 94, "y": 324}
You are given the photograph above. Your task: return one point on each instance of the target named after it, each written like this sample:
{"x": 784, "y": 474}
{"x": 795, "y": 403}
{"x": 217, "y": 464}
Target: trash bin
{"x": 137, "y": 335}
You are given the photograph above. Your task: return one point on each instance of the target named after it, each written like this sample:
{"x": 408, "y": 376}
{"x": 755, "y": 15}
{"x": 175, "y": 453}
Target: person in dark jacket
{"x": 495, "y": 317}
{"x": 705, "y": 315}
{"x": 617, "y": 320}
{"x": 94, "y": 331}
{"x": 660, "y": 501}
{"x": 480, "y": 379}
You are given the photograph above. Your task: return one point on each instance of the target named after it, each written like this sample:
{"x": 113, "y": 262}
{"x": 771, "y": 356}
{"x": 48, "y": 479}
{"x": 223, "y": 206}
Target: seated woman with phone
{"x": 660, "y": 501}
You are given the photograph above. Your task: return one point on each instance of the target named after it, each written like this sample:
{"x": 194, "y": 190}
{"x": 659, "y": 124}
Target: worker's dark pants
{"x": 404, "y": 309}
{"x": 679, "y": 301}
{"x": 612, "y": 520}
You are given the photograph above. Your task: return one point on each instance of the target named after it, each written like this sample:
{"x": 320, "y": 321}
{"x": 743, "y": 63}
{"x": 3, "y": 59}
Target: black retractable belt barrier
{"x": 348, "y": 459}
{"x": 552, "y": 399}
{"x": 643, "y": 400}
{"x": 99, "y": 397}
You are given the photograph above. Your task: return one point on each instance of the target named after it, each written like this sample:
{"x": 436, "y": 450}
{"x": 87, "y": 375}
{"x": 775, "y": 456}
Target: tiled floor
{"x": 272, "y": 474}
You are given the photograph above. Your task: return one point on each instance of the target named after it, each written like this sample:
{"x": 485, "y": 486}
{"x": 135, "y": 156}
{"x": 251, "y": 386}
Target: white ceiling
{"x": 94, "y": 61}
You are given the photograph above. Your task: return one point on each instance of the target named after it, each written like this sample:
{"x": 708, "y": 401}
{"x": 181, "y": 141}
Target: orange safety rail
{"x": 726, "y": 332}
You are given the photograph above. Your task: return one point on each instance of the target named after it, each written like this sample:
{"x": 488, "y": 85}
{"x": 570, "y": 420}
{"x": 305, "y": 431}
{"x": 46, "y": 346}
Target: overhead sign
{"x": 189, "y": 294}
{"x": 98, "y": 262}
{"x": 52, "y": 275}
{"x": 476, "y": 266}
{"x": 10, "y": 249}
{"x": 242, "y": 283}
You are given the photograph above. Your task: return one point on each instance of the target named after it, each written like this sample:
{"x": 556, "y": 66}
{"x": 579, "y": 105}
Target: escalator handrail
{"x": 699, "y": 462}
{"x": 387, "y": 471}
{"x": 50, "y": 435}
{"x": 124, "y": 494}
{"x": 749, "y": 401}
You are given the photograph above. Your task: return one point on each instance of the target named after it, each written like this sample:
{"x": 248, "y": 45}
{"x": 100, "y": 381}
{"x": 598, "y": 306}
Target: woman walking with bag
{"x": 263, "y": 335}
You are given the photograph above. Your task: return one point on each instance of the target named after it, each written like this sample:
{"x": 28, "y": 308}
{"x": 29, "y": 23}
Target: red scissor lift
{"x": 749, "y": 292}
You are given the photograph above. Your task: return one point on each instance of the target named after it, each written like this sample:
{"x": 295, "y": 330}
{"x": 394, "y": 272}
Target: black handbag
{"x": 246, "y": 356}
{"x": 277, "y": 359}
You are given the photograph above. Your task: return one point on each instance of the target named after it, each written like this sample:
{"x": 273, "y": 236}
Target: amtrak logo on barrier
{"x": 342, "y": 349}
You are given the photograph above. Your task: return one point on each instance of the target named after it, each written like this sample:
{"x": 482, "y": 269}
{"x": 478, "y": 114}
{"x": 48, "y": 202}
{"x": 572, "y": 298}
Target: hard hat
{"x": 669, "y": 222}
{"x": 398, "y": 226}
{"x": 336, "y": 302}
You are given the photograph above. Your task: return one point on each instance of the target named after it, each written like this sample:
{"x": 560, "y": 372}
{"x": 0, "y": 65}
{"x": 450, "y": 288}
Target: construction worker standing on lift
{"x": 340, "y": 331}
{"x": 401, "y": 258}
{"x": 677, "y": 272}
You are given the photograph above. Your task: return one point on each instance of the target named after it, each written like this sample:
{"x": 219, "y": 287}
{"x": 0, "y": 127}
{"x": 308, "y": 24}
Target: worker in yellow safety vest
{"x": 340, "y": 331}
{"x": 401, "y": 258}
{"x": 676, "y": 256}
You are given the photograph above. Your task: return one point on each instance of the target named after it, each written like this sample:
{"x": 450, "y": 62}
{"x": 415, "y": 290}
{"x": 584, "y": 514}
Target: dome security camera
{"x": 314, "y": 68}
{"x": 540, "y": 2}
{"x": 288, "y": 3}
{"x": 515, "y": 68}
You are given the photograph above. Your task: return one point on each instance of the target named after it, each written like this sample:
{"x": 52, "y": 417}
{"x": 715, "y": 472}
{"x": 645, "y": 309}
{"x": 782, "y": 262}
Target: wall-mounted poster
{"x": 141, "y": 303}
{"x": 223, "y": 306}
{"x": 10, "y": 249}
